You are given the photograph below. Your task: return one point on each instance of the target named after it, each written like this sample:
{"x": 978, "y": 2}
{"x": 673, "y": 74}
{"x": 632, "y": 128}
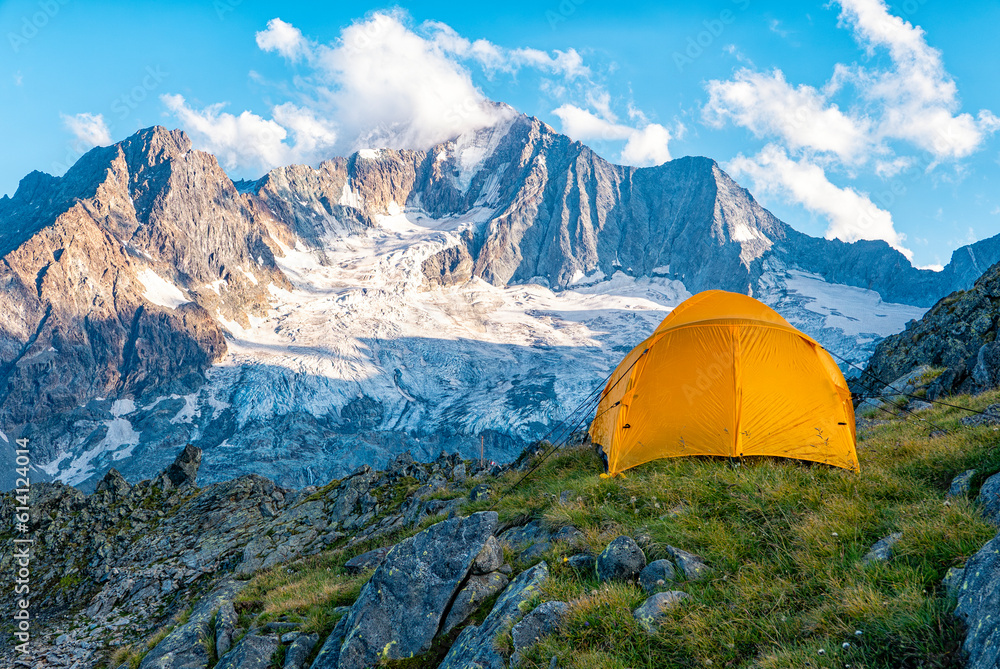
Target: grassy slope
{"x": 784, "y": 539}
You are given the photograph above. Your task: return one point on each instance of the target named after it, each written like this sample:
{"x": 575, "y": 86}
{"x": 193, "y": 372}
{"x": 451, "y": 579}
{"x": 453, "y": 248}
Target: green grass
{"x": 784, "y": 539}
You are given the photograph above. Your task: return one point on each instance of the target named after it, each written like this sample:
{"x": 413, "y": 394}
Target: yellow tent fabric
{"x": 725, "y": 375}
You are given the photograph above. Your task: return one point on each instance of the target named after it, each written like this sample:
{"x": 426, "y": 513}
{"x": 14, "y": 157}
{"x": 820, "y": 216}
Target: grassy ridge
{"x": 784, "y": 539}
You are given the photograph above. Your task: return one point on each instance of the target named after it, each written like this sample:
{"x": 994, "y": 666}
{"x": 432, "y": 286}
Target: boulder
{"x": 978, "y": 603}
{"x": 960, "y": 484}
{"x": 252, "y": 652}
{"x": 652, "y": 612}
{"x": 622, "y": 560}
{"x": 952, "y": 581}
{"x": 329, "y": 654}
{"x": 480, "y": 493}
{"x": 583, "y": 563}
{"x": 691, "y": 565}
{"x": 545, "y": 619}
{"x": 657, "y": 576}
{"x": 400, "y": 610}
{"x": 184, "y": 648}
{"x": 113, "y": 483}
{"x": 183, "y": 473}
{"x": 530, "y": 540}
{"x": 476, "y": 645}
{"x": 366, "y": 561}
{"x": 989, "y": 499}
{"x": 489, "y": 559}
{"x": 476, "y": 590}
{"x": 569, "y": 535}
{"x": 986, "y": 371}
{"x": 225, "y": 628}
{"x": 989, "y": 416}
{"x": 882, "y": 550}
{"x": 298, "y": 652}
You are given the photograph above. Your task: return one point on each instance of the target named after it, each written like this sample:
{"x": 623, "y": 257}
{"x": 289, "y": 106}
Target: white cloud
{"x": 645, "y": 146}
{"x": 801, "y": 116}
{"x": 90, "y": 130}
{"x": 893, "y": 106}
{"x": 852, "y": 215}
{"x": 385, "y": 83}
{"x": 284, "y": 38}
{"x": 381, "y": 84}
{"x": 247, "y": 141}
{"x": 918, "y": 96}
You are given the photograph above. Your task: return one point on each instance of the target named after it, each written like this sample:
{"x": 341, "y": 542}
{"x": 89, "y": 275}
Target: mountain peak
{"x": 155, "y": 145}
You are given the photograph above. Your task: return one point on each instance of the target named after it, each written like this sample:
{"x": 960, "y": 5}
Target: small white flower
{"x": 822, "y": 652}
{"x": 835, "y": 534}
{"x": 845, "y": 645}
{"x": 857, "y": 633}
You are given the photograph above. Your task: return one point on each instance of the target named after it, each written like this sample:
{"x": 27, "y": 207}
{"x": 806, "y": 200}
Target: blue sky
{"x": 855, "y": 119}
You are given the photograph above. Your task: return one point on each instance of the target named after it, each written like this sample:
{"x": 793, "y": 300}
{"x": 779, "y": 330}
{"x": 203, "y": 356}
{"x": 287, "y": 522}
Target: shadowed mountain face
{"x": 318, "y": 318}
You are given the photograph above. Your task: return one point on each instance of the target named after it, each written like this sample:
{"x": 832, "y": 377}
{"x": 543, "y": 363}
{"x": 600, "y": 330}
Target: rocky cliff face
{"x": 959, "y": 334}
{"x": 464, "y": 297}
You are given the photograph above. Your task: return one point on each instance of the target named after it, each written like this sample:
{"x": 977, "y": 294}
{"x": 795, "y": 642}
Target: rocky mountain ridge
{"x": 958, "y": 336}
{"x": 319, "y": 318}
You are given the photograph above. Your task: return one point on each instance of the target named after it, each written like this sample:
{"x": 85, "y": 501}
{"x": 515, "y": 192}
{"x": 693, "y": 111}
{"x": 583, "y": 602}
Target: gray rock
{"x": 652, "y": 612}
{"x": 183, "y": 648}
{"x": 329, "y": 654}
{"x": 113, "y": 483}
{"x": 545, "y": 619}
{"x": 534, "y": 552}
{"x": 477, "y": 589}
{"x": 691, "y": 565}
{"x": 989, "y": 498}
{"x": 622, "y": 560}
{"x": 476, "y": 646}
{"x": 298, "y": 652}
{"x": 569, "y": 535}
{"x": 480, "y": 493}
{"x": 252, "y": 652}
{"x": 183, "y": 473}
{"x": 489, "y": 559}
{"x": 986, "y": 371}
{"x": 400, "y": 609}
{"x": 519, "y": 538}
{"x": 882, "y": 550}
{"x": 978, "y": 603}
{"x": 657, "y": 576}
{"x": 989, "y": 416}
{"x": 366, "y": 561}
{"x": 583, "y": 563}
{"x": 960, "y": 484}
{"x": 952, "y": 581}
{"x": 225, "y": 627}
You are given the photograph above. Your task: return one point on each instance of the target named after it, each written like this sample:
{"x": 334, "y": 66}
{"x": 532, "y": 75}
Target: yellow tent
{"x": 725, "y": 375}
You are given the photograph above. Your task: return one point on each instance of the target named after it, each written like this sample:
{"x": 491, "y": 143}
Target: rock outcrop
{"x": 401, "y": 609}
{"x": 959, "y": 334}
{"x": 978, "y": 602}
